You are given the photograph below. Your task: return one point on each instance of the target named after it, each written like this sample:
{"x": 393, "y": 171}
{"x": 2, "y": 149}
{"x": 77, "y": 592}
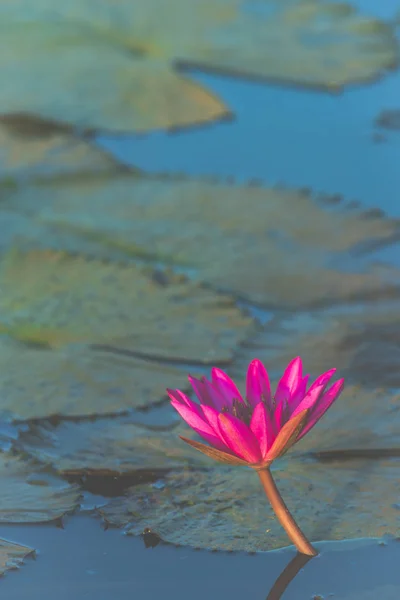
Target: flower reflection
{"x": 288, "y": 574}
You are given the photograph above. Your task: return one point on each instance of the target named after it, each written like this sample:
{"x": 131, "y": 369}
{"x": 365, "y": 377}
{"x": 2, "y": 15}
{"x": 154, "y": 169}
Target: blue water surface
{"x": 287, "y": 135}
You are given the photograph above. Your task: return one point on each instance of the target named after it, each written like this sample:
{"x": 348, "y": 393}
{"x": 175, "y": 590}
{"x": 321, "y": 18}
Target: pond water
{"x": 82, "y": 561}
{"x": 283, "y": 137}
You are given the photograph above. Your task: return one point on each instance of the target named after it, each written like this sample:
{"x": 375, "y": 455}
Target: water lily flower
{"x": 259, "y": 427}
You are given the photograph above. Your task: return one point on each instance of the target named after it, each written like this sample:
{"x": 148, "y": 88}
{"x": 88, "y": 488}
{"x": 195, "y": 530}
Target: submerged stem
{"x": 282, "y": 512}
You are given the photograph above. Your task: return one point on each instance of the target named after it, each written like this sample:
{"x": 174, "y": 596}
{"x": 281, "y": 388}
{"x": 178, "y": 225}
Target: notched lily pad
{"x": 121, "y": 56}
{"x": 31, "y": 496}
{"x": 109, "y": 447}
{"x": 12, "y": 555}
{"x": 31, "y": 148}
{"x": 53, "y": 299}
{"x": 75, "y": 382}
{"x": 226, "y": 509}
{"x": 271, "y": 246}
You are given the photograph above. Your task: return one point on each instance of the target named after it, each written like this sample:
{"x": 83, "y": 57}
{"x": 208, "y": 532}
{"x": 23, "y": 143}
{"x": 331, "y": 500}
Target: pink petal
{"x": 200, "y": 389}
{"x": 280, "y": 415}
{"x": 314, "y": 393}
{"x": 181, "y": 398}
{"x": 299, "y": 394}
{"x": 262, "y": 428}
{"x": 289, "y": 380}
{"x": 178, "y": 396}
{"x": 198, "y": 424}
{"x": 322, "y": 379}
{"x": 212, "y": 417}
{"x": 287, "y": 436}
{"x": 239, "y": 438}
{"x": 218, "y": 400}
{"x": 322, "y": 406}
{"x": 257, "y": 384}
{"x": 225, "y": 386}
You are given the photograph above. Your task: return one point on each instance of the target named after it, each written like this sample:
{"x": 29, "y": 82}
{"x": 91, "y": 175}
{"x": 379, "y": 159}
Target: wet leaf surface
{"x": 109, "y": 447}
{"x": 122, "y": 92}
{"x": 52, "y": 299}
{"x": 37, "y": 383}
{"x": 273, "y": 247}
{"x": 30, "y": 495}
{"x": 129, "y": 51}
{"x": 12, "y": 555}
{"x": 32, "y": 149}
{"x": 362, "y": 344}
{"x": 360, "y": 341}
{"x": 225, "y": 508}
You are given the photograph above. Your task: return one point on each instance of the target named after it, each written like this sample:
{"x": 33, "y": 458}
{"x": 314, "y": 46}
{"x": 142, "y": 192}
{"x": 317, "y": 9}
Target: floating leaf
{"x": 120, "y": 56}
{"x": 361, "y": 342}
{"x": 122, "y": 92}
{"x": 78, "y": 382}
{"x": 31, "y": 148}
{"x": 270, "y": 246}
{"x": 31, "y": 496}
{"x": 12, "y": 555}
{"x": 225, "y": 508}
{"x": 53, "y": 299}
{"x": 111, "y": 447}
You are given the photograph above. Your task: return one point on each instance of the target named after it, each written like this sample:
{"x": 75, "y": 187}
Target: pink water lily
{"x": 256, "y": 429}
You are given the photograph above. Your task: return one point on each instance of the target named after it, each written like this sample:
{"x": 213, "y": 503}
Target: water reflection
{"x": 84, "y": 562}
{"x": 287, "y": 575}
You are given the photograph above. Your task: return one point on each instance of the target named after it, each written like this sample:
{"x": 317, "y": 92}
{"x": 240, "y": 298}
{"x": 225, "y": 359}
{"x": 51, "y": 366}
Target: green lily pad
{"x": 121, "y": 92}
{"x": 76, "y": 382}
{"x": 226, "y": 509}
{"x": 12, "y": 555}
{"x": 361, "y": 342}
{"x": 31, "y": 496}
{"x": 112, "y": 447}
{"x": 273, "y": 247}
{"x": 52, "y": 299}
{"x": 30, "y": 148}
{"x": 121, "y": 56}
{"x": 362, "y": 422}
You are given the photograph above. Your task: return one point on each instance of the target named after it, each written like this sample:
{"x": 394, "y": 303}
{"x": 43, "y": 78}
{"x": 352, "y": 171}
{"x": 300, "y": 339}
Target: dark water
{"x": 84, "y": 562}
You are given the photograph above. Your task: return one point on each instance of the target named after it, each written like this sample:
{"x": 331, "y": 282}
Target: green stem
{"x": 282, "y": 512}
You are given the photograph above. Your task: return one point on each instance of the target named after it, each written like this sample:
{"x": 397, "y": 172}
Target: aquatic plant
{"x": 257, "y": 429}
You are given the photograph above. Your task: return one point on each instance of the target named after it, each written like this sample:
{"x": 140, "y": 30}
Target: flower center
{"x": 239, "y": 409}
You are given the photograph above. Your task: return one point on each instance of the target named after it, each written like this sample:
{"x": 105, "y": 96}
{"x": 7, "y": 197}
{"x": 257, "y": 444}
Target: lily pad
{"x": 122, "y": 92}
{"x": 225, "y": 508}
{"x": 361, "y": 342}
{"x": 272, "y": 247}
{"x": 121, "y": 56}
{"x": 77, "y": 382}
{"x": 30, "y": 148}
{"x": 52, "y": 299}
{"x": 12, "y": 555}
{"x": 110, "y": 447}
{"x": 31, "y": 496}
